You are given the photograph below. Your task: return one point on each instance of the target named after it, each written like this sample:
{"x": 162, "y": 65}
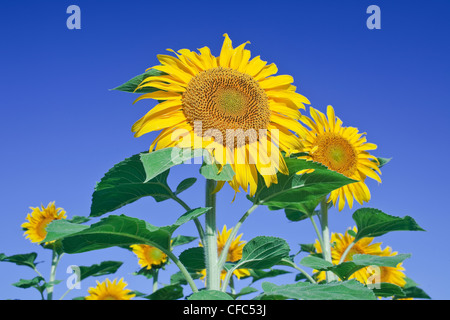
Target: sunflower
{"x": 363, "y": 246}
{"x": 234, "y": 252}
{"x": 341, "y": 149}
{"x": 38, "y": 220}
{"x": 234, "y": 107}
{"x": 390, "y": 274}
{"x": 149, "y": 256}
{"x": 108, "y": 290}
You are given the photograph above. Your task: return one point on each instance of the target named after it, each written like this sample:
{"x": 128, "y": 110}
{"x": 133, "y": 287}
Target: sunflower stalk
{"x": 326, "y": 243}
{"x": 212, "y": 266}
{"x": 55, "y": 260}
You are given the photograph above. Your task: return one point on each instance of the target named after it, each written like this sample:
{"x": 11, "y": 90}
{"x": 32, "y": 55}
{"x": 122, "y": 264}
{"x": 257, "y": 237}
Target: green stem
{"x": 183, "y": 269}
{"x": 155, "y": 279}
{"x": 293, "y": 265}
{"x": 326, "y": 243}
{"x": 55, "y": 261}
{"x": 319, "y": 235}
{"x": 212, "y": 267}
{"x": 233, "y": 290}
{"x": 347, "y": 250}
{"x": 200, "y": 230}
{"x": 223, "y": 255}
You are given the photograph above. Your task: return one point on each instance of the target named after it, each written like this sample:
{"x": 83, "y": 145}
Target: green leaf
{"x": 315, "y": 263}
{"x": 257, "y": 274}
{"x": 373, "y": 223}
{"x": 381, "y": 261}
{"x": 383, "y": 161}
{"x": 193, "y": 258}
{"x": 170, "y": 292}
{"x": 244, "y": 291}
{"x": 159, "y": 161}
{"x": 210, "y": 295}
{"x": 309, "y": 247}
{"x": 123, "y": 231}
{"x": 211, "y": 171}
{"x": 32, "y": 283}
{"x": 412, "y": 292}
{"x": 345, "y": 269}
{"x": 125, "y": 183}
{"x": 185, "y": 184}
{"x": 347, "y": 290}
{"x": 179, "y": 278}
{"x": 78, "y": 219}
{"x": 299, "y": 192}
{"x": 26, "y": 259}
{"x": 132, "y": 84}
{"x": 58, "y": 229}
{"x": 180, "y": 240}
{"x": 97, "y": 270}
{"x": 386, "y": 290}
{"x": 263, "y": 252}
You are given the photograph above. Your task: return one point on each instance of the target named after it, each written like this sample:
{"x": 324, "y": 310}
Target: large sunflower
{"x": 364, "y": 246}
{"x": 341, "y": 149}
{"x": 108, "y": 290}
{"x": 234, "y": 252}
{"x": 233, "y": 106}
{"x": 39, "y": 218}
{"x": 149, "y": 256}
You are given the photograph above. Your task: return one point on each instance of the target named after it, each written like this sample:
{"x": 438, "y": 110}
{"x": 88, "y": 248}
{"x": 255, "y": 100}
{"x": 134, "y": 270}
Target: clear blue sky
{"x": 62, "y": 128}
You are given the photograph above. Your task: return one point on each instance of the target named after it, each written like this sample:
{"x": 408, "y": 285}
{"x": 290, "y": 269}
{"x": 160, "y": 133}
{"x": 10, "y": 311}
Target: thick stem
{"x": 212, "y": 267}
{"x": 55, "y": 260}
{"x": 326, "y": 243}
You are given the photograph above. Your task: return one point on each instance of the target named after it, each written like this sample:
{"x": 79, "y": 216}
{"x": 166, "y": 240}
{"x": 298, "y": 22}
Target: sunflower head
{"x": 108, "y": 290}
{"x": 38, "y": 219}
{"x": 149, "y": 256}
{"x": 231, "y": 105}
{"x": 369, "y": 274}
{"x": 234, "y": 252}
{"x": 341, "y": 149}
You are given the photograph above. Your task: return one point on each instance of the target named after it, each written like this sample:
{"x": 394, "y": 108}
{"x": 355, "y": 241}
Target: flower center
{"x": 336, "y": 153}
{"x": 227, "y": 100}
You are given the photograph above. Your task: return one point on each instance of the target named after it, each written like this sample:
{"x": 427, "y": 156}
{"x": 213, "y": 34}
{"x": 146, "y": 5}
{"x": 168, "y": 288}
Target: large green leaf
{"x": 132, "y": 84}
{"x": 263, "y": 252}
{"x": 60, "y": 228}
{"x": 210, "y": 295}
{"x": 373, "y": 223}
{"x": 123, "y": 231}
{"x": 97, "y": 270}
{"x": 299, "y": 192}
{"x": 126, "y": 183}
{"x": 346, "y": 290}
{"x": 26, "y": 259}
{"x": 193, "y": 258}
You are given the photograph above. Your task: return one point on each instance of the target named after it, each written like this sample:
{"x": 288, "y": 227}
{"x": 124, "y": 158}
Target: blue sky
{"x": 62, "y": 128}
